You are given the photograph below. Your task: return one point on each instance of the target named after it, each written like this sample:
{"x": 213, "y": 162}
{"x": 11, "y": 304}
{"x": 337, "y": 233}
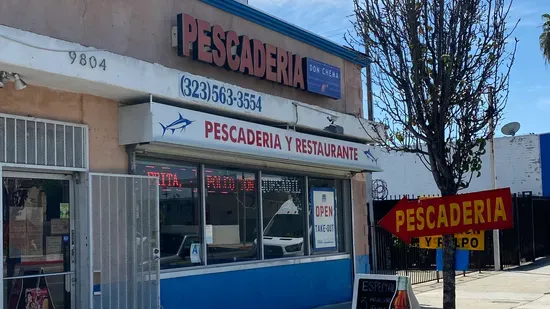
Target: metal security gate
{"x": 124, "y": 241}
{"x": 32, "y": 142}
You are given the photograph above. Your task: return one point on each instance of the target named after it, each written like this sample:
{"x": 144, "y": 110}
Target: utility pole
{"x": 370, "y": 109}
{"x": 496, "y": 233}
{"x": 371, "y": 223}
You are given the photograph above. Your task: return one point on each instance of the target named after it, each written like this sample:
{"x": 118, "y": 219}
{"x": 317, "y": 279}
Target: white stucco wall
{"x": 517, "y": 165}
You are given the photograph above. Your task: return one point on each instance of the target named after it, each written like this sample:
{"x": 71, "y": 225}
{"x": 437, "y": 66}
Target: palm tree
{"x": 544, "y": 39}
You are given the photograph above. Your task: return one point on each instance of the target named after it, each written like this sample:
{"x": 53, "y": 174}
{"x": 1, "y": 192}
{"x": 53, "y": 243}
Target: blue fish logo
{"x": 180, "y": 124}
{"x": 371, "y": 156}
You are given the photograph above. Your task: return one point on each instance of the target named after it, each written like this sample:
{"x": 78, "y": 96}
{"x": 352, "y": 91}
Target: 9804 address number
{"x": 84, "y": 60}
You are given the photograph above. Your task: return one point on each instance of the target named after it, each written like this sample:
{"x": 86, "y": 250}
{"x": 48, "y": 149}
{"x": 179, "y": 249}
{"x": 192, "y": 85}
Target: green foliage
{"x": 544, "y": 39}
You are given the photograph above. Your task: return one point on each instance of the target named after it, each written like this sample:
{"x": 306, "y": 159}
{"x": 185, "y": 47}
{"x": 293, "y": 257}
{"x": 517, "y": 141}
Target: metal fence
{"x": 394, "y": 257}
{"x": 32, "y": 141}
{"x": 530, "y": 237}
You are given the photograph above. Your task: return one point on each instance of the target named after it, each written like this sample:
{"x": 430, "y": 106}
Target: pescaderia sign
{"x": 239, "y": 53}
{"x": 485, "y": 210}
{"x": 175, "y": 125}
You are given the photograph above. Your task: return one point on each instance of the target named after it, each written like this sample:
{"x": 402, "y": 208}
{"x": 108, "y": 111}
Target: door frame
{"x": 15, "y": 173}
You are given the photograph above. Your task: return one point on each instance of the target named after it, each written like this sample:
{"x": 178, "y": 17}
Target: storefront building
{"x": 189, "y": 154}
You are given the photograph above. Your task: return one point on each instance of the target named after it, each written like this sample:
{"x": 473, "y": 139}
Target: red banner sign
{"x": 486, "y": 210}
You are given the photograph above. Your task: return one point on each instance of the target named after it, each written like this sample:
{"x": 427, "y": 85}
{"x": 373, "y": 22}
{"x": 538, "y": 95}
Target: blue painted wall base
{"x": 362, "y": 264}
{"x": 297, "y": 286}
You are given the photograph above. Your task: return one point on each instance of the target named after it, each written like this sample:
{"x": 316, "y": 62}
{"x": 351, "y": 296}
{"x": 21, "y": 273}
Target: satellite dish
{"x": 510, "y": 129}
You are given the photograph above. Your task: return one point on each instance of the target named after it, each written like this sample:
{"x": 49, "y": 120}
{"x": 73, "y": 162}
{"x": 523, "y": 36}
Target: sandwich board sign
{"x": 383, "y": 291}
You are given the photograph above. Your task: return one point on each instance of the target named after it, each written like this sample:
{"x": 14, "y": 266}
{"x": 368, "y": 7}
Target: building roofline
{"x": 271, "y": 22}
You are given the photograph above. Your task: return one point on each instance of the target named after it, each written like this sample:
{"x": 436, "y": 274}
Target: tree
{"x": 440, "y": 69}
{"x": 544, "y": 39}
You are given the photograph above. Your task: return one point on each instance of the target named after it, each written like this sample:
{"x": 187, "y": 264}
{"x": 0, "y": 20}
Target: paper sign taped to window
{"x": 59, "y": 226}
{"x": 195, "y": 253}
{"x": 53, "y": 245}
{"x": 64, "y": 210}
{"x": 209, "y": 234}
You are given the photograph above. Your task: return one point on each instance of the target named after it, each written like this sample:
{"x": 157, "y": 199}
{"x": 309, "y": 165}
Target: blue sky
{"x": 529, "y": 100}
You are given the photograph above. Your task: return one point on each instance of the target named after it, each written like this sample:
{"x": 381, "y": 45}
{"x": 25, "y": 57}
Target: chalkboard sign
{"x": 374, "y": 291}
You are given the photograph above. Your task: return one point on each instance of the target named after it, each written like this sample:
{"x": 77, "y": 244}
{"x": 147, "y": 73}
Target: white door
{"x": 124, "y": 212}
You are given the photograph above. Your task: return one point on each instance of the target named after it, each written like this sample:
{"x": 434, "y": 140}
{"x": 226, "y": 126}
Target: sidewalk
{"x": 526, "y": 287}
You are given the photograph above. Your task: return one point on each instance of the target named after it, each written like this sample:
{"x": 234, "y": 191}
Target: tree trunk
{"x": 449, "y": 264}
{"x": 449, "y": 275}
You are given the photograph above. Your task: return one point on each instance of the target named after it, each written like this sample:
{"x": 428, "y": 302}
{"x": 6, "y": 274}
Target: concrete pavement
{"x": 526, "y": 287}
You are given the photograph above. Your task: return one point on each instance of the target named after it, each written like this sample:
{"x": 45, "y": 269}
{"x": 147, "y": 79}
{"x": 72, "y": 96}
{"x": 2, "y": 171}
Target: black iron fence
{"x": 529, "y": 239}
{"x": 394, "y": 257}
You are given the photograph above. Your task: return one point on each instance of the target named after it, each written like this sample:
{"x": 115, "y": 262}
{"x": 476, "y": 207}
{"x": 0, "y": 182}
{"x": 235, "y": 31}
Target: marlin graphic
{"x": 179, "y": 124}
{"x": 371, "y": 156}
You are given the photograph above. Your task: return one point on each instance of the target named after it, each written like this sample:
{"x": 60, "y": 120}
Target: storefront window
{"x": 283, "y": 216}
{"x": 326, "y": 220}
{"x": 179, "y": 213}
{"x": 231, "y": 216}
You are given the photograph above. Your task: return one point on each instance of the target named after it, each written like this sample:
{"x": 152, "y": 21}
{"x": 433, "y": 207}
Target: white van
{"x": 283, "y": 235}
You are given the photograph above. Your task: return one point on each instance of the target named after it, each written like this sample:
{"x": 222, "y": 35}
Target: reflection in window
{"x": 179, "y": 212}
{"x": 231, "y": 216}
{"x": 282, "y": 216}
{"x": 337, "y": 186}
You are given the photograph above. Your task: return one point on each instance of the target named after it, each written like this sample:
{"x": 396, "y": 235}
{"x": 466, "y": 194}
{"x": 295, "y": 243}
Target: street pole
{"x": 371, "y": 223}
{"x": 496, "y": 233}
{"x": 370, "y": 109}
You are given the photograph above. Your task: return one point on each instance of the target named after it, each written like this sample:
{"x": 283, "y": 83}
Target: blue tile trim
{"x": 545, "y": 163}
{"x": 278, "y": 25}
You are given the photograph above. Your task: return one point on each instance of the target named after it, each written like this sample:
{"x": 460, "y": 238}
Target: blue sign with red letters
{"x": 323, "y": 79}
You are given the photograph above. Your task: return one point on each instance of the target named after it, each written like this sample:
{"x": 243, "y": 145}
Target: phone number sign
{"x": 218, "y": 94}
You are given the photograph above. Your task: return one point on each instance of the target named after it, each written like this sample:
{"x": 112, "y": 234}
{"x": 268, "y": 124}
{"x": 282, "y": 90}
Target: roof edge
{"x": 268, "y": 21}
